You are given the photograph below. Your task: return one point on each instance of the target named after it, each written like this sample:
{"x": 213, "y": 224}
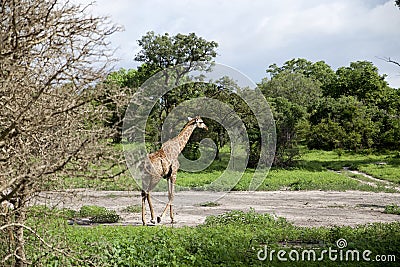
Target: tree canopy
{"x": 163, "y": 51}
{"x": 350, "y": 108}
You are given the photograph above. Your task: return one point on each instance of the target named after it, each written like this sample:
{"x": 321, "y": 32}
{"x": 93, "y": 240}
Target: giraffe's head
{"x": 199, "y": 122}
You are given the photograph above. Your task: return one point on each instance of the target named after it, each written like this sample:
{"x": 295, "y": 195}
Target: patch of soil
{"x": 303, "y": 208}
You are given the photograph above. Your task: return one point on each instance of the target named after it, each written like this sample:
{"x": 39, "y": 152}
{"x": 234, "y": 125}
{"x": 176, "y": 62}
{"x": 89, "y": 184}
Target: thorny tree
{"x": 52, "y": 57}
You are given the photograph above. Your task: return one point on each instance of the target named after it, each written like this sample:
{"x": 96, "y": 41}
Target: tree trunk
{"x": 20, "y": 218}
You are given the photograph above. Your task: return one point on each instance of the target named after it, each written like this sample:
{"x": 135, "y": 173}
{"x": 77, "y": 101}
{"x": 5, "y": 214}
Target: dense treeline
{"x": 352, "y": 108}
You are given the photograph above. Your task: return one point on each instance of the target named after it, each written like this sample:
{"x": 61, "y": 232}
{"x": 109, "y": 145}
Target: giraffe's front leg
{"x": 159, "y": 218}
{"x": 171, "y": 199}
{"x": 171, "y": 186}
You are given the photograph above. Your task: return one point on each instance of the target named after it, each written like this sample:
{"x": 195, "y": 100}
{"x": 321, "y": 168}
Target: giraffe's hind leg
{"x": 151, "y": 208}
{"x": 144, "y": 194}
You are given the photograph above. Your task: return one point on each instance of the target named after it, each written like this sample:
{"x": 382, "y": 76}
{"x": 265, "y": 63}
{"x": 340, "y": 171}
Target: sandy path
{"x": 303, "y": 208}
{"x": 372, "y": 181}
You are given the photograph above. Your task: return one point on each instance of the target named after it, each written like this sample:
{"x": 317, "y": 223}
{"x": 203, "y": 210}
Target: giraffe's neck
{"x": 184, "y": 135}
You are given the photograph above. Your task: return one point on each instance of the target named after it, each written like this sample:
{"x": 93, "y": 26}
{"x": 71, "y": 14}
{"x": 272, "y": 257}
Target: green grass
{"x": 278, "y": 179}
{"x": 389, "y": 172}
{"x": 380, "y": 185}
{"x": 319, "y": 159}
{"x": 392, "y": 209}
{"x": 121, "y": 183}
{"x": 96, "y": 214}
{"x": 133, "y": 208}
{"x": 231, "y": 239}
{"x": 311, "y": 173}
{"x": 209, "y": 204}
{"x": 193, "y": 179}
{"x": 367, "y": 163}
{"x": 309, "y": 180}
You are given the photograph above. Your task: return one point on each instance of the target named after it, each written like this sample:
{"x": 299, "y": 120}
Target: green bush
{"x": 109, "y": 217}
{"x": 43, "y": 211}
{"x": 98, "y": 214}
{"x": 392, "y": 209}
{"x": 237, "y": 217}
{"x": 90, "y": 211}
{"x": 344, "y": 122}
{"x": 133, "y": 208}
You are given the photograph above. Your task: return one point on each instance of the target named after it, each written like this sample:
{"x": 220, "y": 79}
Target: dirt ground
{"x": 303, "y": 208}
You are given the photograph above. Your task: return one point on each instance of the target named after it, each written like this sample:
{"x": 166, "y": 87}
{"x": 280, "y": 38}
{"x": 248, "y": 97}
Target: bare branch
{"x": 389, "y": 60}
{"x": 53, "y": 55}
{"x": 12, "y": 225}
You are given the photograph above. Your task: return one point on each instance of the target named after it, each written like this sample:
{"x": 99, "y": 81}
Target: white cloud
{"x": 254, "y": 34}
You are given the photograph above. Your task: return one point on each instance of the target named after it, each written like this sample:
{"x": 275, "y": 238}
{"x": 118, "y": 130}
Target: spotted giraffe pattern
{"x": 164, "y": 164}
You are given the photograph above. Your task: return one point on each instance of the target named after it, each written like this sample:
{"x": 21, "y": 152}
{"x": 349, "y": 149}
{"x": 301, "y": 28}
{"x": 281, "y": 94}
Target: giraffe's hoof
{"x": 158, "y": 219}
{"x": 152, "y": 221}
{"x": 173, "y": 221}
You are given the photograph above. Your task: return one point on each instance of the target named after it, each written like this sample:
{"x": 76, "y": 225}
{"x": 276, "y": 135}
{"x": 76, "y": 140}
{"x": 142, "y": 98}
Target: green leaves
{"x": 295, "y": 87}
{"x": 342, "y": 123}
{"x": 361, "y": 79}
{"x": 318, "y": 71}
{"x": 229, "y": 239}
{"x": 163, "y": 51}
{"x": 352, "y": 108}
{"x": 392, "y": 209}
{"x": 98, "y": 214}
{"x": 288, "y": 116}
{"x": 237, "y": 217}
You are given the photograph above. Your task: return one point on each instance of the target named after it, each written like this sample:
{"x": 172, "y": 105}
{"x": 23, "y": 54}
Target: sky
{"x": 254, "y": 34}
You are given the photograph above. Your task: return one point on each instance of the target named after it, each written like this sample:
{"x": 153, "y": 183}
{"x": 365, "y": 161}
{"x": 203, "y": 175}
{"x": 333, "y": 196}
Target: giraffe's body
{"x": 164, "y": 164}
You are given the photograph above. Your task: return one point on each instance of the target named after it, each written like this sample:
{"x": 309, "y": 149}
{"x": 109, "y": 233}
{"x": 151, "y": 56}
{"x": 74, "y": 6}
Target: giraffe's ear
{"x": 190, "y": 118}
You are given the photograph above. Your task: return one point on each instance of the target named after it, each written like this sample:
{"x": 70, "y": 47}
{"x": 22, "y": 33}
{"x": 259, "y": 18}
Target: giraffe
{"x": 164, "y": 164}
